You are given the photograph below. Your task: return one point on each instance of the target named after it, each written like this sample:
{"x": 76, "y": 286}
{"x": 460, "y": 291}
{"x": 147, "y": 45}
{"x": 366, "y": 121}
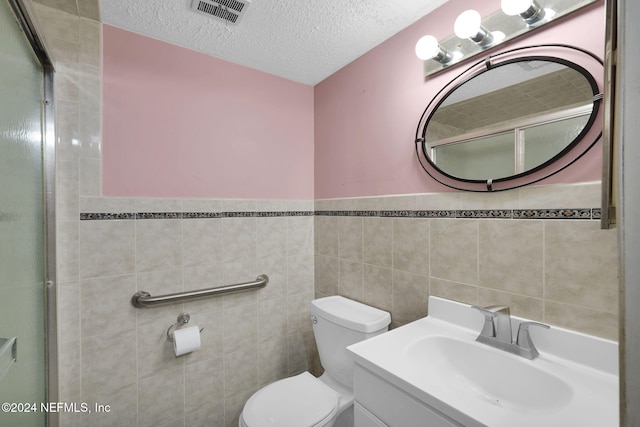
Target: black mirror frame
{"x": 580, "y": 145}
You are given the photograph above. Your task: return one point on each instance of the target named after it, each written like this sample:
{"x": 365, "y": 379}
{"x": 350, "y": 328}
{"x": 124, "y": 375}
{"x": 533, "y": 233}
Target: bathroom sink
{"x": 437, "y": 361}
{"x": 494, "y": 376}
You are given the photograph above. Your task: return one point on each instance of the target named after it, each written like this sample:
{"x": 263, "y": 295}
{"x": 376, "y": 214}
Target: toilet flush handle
{"x": 314, "y": 319}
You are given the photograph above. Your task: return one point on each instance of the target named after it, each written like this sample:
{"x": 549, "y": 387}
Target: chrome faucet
{"x": 496, "y": 332}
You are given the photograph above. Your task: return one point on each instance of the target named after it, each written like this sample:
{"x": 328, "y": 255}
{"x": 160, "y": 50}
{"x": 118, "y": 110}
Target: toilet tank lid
{"x": 350, "y": 314}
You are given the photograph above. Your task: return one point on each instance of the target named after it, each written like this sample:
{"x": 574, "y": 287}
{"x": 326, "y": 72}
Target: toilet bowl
{"x": 304, "y": 400}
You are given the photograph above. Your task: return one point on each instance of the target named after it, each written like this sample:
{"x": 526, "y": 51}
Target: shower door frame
{"x": 25, "y": 13}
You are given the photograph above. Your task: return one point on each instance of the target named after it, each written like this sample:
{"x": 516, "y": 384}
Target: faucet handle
{"x": 523, "y": 339}
{"x": 489, "y": 328}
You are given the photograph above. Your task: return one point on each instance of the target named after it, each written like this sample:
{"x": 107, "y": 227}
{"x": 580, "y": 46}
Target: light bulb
{"x": 427, "y": 48}
{"x": 529, "y": 10}
{"x": 467, "y": 24}
{"x": 515, "y": 7}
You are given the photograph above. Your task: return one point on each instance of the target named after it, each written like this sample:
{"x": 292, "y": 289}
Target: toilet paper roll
{"x": 186, "y": 340}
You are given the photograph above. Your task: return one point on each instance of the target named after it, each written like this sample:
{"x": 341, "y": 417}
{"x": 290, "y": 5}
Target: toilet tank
{"x": 339, "y": 322}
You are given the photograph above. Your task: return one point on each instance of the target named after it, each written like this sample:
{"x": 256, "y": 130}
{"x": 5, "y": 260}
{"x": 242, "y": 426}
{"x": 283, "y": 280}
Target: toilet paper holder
{"x": 183, "y": 318}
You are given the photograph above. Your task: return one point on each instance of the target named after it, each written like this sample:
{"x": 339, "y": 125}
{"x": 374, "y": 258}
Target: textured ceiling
{"x": 300, "y": 40}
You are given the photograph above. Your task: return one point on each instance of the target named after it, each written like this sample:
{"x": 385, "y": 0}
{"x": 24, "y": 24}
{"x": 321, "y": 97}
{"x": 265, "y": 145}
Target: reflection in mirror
{"x": 508, "y": 119}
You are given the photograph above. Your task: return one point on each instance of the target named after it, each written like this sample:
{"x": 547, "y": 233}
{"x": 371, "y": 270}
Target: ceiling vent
{"x": 229, "y": 11}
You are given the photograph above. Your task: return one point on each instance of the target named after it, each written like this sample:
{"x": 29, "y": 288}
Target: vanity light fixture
{"x": 472, "y": 37}
{"x": 429, "y": 48}
{"x": 468, "y": 25}
{"x": 529, "y": 10}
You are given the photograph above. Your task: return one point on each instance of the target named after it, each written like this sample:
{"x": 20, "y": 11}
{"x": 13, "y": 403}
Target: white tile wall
{"x": 560, "y": 271}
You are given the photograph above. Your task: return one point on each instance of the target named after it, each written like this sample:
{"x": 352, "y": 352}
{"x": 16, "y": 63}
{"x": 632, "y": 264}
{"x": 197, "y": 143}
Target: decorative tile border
{"x": 106, "y": 216}
{"x": 435, "y": 214}
{"x": 159, "y": 215}
{"x": 190, "y": 215}
{"x": 476, "y": 214}
{"x": 504, "y": 213}
{"x": 200, "y": 215}
{"x": 553, "y": 214}
{"x": 397, "y": 214}
{"x": 460, "y": 214}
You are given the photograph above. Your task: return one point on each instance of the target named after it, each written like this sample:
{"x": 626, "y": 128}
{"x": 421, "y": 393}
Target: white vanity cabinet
{"x": 381, "y": 404}
{"x": 364, "y": 418}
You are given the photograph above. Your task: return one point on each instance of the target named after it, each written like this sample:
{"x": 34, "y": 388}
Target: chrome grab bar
{"x": 143, "y": 299}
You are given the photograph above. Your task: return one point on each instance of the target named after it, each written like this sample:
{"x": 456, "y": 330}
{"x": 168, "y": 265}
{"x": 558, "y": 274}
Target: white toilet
{"x": 307, "y": 401}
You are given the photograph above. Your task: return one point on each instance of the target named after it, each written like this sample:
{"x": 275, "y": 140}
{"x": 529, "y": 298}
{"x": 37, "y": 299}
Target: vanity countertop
{"x": 574, "y": 381}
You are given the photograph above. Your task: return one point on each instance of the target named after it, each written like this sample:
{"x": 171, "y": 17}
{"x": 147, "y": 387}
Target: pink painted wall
{"x": 366, "y": 114}
{"x": 177, "y": 123}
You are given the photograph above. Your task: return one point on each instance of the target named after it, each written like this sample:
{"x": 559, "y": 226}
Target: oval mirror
{"x": 507, "y": 121}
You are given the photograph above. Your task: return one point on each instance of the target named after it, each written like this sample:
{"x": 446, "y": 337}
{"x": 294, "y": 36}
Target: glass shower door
{"x": 22, "y": 236}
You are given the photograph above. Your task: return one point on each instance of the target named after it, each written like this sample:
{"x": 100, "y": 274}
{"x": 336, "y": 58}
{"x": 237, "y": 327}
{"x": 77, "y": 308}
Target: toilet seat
{"x": 300, "y": 401}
